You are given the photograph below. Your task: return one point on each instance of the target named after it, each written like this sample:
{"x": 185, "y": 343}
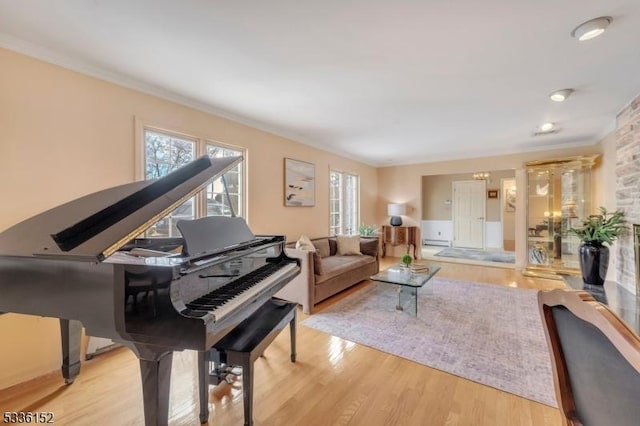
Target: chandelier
{"x": 482, "y": 176}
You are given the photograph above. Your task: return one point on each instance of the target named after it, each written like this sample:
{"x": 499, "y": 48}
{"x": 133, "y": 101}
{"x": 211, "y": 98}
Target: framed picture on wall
{"x": 492, "y": 193}
{"x": 510, "y": 199}
{"x": 299, "y": 183}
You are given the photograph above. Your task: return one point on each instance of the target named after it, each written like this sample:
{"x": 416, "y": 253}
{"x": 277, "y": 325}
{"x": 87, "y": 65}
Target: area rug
{"x": 486, "y": 333}
{"x": 474, "y": 254}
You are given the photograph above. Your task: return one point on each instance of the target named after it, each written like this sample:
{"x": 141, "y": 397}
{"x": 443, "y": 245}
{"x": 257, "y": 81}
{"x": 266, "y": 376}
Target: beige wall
{"x": 64, "y": 134}
{"x": 604, "y": 176}
{"x": 437, "y": 189}
{"x": 404, "y": 183}
{"x": 436, "y": 197}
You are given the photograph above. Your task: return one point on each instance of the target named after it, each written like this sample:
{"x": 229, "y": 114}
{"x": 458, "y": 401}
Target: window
{"x": 343, "y": 203}
{"x": 217, "y": 202}
{"x": 165, "y": 152}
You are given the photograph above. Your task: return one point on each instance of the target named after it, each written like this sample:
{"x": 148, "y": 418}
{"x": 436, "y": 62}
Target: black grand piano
{"x": 82, "y": 262}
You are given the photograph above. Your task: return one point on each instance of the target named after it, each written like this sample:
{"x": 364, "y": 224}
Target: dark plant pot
{"x": 594, "y": 262}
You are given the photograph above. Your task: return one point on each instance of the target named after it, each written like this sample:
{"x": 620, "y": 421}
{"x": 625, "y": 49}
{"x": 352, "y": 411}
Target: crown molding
{"x": 66, "y": 61}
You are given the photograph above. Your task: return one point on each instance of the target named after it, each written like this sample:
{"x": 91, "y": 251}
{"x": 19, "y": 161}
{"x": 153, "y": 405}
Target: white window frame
{"x": 343, "y": 224}
{"x": 201, "y": 143}
{"x": 239, "y": 192}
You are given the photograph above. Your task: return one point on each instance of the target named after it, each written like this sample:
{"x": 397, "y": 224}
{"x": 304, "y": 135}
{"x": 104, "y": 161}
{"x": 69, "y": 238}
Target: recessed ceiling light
{"x": 546, "y": 127}
{"x": 592, "y": 28}
{"x": 560, "y": 95}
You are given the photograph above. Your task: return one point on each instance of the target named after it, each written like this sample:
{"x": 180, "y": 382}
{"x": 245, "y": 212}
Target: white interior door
{"x": 468, "y": 213}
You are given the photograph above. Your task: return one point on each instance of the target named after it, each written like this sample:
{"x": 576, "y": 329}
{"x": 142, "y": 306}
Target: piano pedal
{"x": 224, "y": 372}
{"x": 231, "y": 374}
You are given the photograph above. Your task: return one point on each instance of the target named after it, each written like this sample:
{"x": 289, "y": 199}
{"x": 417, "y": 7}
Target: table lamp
{"x": 396, "y": 210}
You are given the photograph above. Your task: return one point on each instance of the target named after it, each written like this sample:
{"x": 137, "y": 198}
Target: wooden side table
{"x": 399, "y": 235}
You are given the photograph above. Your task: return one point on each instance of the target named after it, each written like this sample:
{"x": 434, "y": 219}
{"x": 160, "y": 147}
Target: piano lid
{"x": 93, "y": 227}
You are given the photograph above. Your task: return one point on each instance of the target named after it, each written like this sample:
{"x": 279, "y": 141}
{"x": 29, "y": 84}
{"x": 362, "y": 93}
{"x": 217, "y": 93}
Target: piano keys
{"x": 78, "y": 262}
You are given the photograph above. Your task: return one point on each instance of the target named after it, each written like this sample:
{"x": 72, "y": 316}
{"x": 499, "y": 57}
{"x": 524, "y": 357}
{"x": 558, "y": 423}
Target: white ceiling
{"x": 384, "y": 82}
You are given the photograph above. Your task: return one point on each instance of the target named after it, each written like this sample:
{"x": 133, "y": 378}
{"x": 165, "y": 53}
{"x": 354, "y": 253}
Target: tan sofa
{"x": 325, "y": 273}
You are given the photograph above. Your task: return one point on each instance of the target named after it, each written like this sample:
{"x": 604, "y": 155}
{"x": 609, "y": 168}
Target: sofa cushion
{"x": 348, "y": 245}
{"x": 335, "y": 265}
{"x": 322, "y": 247}
{"x": 304, "y": 243}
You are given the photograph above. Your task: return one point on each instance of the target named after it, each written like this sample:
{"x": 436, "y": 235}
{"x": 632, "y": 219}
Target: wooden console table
{"x": 399, "y": 235}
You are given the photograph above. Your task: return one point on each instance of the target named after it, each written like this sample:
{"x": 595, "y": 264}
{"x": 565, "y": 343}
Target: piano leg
{"x": 247, "y": 388}
{"x": 71, "y": 337}
{"x": 203, "y": 383}
{"x": 292, "y": 333}
{"x": 156, "y": 382}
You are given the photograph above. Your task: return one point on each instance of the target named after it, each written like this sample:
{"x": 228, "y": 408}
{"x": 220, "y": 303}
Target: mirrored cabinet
{"x": 559, "y": 195}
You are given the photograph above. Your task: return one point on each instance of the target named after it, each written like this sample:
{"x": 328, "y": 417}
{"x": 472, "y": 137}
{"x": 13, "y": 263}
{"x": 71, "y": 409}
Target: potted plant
{"x": 367, "y": 230}
{"x": 406, "y": 260}
{"x": 596, "y": 230}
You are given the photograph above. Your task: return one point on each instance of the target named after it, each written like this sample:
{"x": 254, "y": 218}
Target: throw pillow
{"x": 304, "y": 243}
{"x": 317, "y": 264}
{"x": 369, "y": 246}
{"x": 322, "y": 245}
{"x": 333, "y": 247}
{"x": 348, "y": 245}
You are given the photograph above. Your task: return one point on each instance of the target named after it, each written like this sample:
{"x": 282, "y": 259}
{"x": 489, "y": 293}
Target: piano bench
{"x": 242, "y": 346}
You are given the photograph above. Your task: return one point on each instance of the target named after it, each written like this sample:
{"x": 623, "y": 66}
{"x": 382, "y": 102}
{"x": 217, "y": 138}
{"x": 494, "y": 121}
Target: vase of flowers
{"x": 596, "y": 231}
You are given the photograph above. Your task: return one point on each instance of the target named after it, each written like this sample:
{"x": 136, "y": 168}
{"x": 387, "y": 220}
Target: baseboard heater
{"x": 443, "y": 243}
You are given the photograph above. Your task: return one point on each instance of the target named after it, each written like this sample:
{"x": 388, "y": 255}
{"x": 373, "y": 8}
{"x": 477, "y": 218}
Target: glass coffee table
{"x": 408, "y": 282}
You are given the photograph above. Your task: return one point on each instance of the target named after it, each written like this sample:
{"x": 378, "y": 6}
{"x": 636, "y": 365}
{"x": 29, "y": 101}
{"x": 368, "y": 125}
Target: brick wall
{"x": 628, "y": 189}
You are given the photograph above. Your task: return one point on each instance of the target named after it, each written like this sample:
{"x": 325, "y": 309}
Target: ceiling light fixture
{"x": 592, "y": 28}
{"x": 481, "y": 176}
{"x": 560, "y": 95}
{"x": 546, "y": 127}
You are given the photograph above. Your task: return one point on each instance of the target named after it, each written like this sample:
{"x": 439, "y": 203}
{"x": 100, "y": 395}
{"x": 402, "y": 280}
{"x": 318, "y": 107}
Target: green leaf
{"x": 601, "y": 228}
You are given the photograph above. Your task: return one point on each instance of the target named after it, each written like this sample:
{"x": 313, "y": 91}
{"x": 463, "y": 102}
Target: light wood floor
{"x": 334, "y": 382}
